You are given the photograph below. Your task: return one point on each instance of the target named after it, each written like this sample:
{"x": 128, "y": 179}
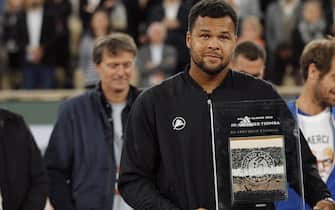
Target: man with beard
{"x": 314, "y": 109}
{"x": 169, "y": 156}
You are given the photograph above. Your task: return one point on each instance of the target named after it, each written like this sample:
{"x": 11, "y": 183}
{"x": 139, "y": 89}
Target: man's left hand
{"x": 324, "y": 205}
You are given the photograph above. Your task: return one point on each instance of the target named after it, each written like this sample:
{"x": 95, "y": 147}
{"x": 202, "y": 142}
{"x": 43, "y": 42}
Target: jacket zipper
{"x": 210, "y": 104}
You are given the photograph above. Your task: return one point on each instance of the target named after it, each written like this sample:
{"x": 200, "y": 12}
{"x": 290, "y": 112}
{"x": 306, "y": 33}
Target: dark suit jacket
{"x": 11, "y": 35}
{"x": 48, "y": 36}
{"x": 137, "y": 16}
{"x": 23, "y": 179}
{"x": 61, "y": 10}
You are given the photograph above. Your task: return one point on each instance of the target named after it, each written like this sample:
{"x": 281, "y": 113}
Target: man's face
{"x": 156, "y": 33}
{"x": 99, "y": 23}
{"x": 312, "y": 12}
{"x": 211, "y": 43}
{"x": 115, "y": 70}
{"x": 254, "y": 68}
{"x": 325, "y": 87}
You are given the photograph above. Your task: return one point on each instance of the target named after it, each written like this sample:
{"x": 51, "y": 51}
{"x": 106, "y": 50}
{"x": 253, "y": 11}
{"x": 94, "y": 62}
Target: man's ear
{"x": 188, "y": 39}
{"x": 313, "y": 72}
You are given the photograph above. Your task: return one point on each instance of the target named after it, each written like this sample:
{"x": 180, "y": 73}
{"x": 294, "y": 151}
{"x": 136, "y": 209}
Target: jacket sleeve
{"x": 58, "y": 159}
{"x": 140, "y": 162}
{"x": 37, "y": 193}
{"x": 314, "y": 188}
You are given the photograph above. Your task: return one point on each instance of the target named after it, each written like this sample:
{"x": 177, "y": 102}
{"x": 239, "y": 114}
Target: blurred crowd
{"x": 47, "y": 44}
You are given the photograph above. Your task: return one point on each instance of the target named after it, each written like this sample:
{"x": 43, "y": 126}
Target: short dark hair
{"x": 320, "y": 52}
{"x": 212, "y": 9}
{"x": 113, "y": 43}
{"x": 249, "y": 50}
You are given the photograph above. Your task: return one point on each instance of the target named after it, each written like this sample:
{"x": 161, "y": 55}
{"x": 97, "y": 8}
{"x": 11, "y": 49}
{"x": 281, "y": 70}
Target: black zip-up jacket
{"x": 167, "y": 160}
{"x": 80, "y": 157}
{"x": 23, "y": 179}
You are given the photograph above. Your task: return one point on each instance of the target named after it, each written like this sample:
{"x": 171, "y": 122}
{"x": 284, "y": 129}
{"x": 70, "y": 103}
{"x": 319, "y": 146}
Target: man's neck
{"x": 116, "y": 97}
{"x": 308, "y": 103}
{"x": 206, "y": 81}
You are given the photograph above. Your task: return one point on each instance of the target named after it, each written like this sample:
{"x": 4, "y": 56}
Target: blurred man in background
{"x": 280, "y": 20}
{"x": 157, "y": 60}
{"x": 37, "y": 36}
{"x": 249, "y": 58}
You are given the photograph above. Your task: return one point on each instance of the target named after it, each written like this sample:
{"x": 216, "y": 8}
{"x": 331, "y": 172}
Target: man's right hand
{"x": 201, "y": 209}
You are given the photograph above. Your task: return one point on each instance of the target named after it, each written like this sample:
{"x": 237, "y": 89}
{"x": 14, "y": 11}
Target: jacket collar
{"x": 4, "y": 116}
{"x": 225, "y": 83}
{"x": 132, "y": 94}
{"x": 294, "y": 109}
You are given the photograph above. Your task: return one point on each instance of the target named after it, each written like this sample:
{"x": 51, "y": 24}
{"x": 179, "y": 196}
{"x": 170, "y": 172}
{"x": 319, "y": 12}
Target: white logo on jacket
{"x": 178, "y": 123}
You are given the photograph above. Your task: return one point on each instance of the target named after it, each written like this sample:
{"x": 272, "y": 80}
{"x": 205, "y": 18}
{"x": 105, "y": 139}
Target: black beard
{"x": 211, "y": 72}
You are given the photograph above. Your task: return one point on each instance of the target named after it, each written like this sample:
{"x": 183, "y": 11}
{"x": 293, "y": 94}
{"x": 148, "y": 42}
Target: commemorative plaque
{"x": 257, "y": 154}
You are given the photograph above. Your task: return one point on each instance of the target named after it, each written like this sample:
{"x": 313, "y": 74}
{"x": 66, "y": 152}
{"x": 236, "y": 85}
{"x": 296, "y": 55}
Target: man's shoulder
{"x": 171, "y": 83}
{"x": 135, "y": 91}
{"x": 244, "y": 79}
{"x": 13, "y": 124}
{"x": 79, "y": 100}
{"x": 168, "y": 87}
{"x": 6, "y": 115}
{"x": 174, "y": 79}
{"x": 254, "y": 88}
